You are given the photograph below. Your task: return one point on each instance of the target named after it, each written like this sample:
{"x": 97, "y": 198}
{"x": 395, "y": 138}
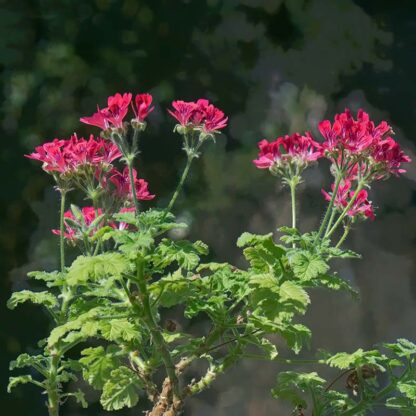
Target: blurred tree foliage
{"x": 272, "y": 65}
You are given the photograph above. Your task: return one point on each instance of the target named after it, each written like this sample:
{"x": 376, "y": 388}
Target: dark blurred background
{"x": 273, "y": 67}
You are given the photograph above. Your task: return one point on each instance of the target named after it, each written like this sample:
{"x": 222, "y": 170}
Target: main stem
{"x": 293, "y": 196}
{"x": 61, "y": 229}
{"x": 133, "y": 186}
{"x": 180, "y": 184}
{"x": 155, "y": 330}
{"x": 53, "y": 388}
{"x": 344, "y": 235}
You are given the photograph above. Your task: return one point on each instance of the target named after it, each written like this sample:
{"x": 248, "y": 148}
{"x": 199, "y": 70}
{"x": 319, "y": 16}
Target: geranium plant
{"x": 110, "y": 303}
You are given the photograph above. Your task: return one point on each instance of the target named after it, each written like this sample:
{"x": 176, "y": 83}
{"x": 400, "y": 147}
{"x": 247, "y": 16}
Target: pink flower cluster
{"x": 123, "y": 188}
{"x": 280, "y": 154}
{"x": 350, "y": 141}
{"x": 200, "y": 115}
{"x": 361, "y": 207}
{"x": 67, "y": 156}
{"x": 117, "y": 108}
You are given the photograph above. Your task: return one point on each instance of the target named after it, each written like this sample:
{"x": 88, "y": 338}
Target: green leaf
{"x": 51, "y": 279}
{"x": 86, "y": 268}
{"x": 79, "y": 397}
{"x": 402, "y": 348}
{"x": 41, "y": 298}
{"x": 290, "y": 384}
{"x": 172, "y": 290}
{"x": 402, "y": 404}
{"x": 296, "y": 336}
{"x": 332, "y": 282}
{"x": 293, "y": 294}
{"x": 119, "y": 329}
{"x": 120, "y": 390}
{"x": 343, "y": 360}
{"x": 98, "y": 364}
{"x": 15, "y": 381}
{"x": 185, "y": 253}
{"x": 26, "y": 360}
{"x": 307, "y": 266}
{"x": 408, "y": 388}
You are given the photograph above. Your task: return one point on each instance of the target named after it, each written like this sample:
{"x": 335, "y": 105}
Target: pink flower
{"x": 141, "y": 106}
{"x": 360, "y": 207}
{"x": 282, "y": 152}
{"x": 183, "y": 111}
{"x": 354, "y": 136}
{"x": 76, "y": 227}
{"x": 201, "y": 115}
{"x": 214, "y": 119}
{"x": 388, "y": 157}
{"x": 112, "y": 115}
{"x": 269, "y": 154}
{"x": 67, "y": 156}
{"x": 121, "y": 181}
{"x": 52, "y": 155}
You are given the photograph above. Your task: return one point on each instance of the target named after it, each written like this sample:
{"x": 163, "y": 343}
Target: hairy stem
{"x": 344, "y": 235}
{"x": 53, "y": 387}
{"x": 61, "y": 229}
{"x": 180, "y": 184}
{"x": 293, "y": 197}
{"x": 155, "y": 330}
{"x": 133, "y": 186}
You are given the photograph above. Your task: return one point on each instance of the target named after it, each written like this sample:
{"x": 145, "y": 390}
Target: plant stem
{"x": 330, "y": 205}
{"x": 156, "y": 330}
{"x": 61, "y": 229}
{"x": 346, "y": 209}
{"x": 292, "y": 185}
{"x": 133, "y": 186}
{"x": 344, "y": 236}
{"x": 180, "y": 184}
{"x": 53, "y": 387}
{"x": 331, "y": 219}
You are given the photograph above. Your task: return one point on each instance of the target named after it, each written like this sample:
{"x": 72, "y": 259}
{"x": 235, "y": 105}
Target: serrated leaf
{"x": 119, "y": 329}
{"x": 402, "y": 348}
{"x": 26, "y": 360}
{"x": 15, "y": 381}
{"x": 79, "y": 397}
{"x": 184, "y": 253}
{"x": 294, "y": 294}
{"x": 86, "y": 268}
{"x": 297, "y": 336}
{"x": 343, "y": 360}
{"x": 307, "y": 266}
{"x": 98, "y": 364}
{"x": 120, "y": 390}
{"x": 41, "y": 298}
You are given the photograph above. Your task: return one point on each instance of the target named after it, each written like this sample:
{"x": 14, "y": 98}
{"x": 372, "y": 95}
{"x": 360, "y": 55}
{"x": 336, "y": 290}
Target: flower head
{"x": 112, "y": 115}
{"x": 142, "y": 106}
{"x": 288, "y": 155}
{"x": 121, "y": 181}
{"x": 199, "y": 115}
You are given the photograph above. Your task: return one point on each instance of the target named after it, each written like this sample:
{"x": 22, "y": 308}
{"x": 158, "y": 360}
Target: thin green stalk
{"x": 133, "y": 186}
{"x": 330, "y": 205}
{"x": 53, "y": 387}
{"x": 180, "y": 184}
{"x": 344, "y": 235}
{"x": 292, "y": 185}
{"x": 346, "y": 209}
{"x": 331, "y": 219}
{"x": 61, "y": 229}
{"x": 155, "y": 330}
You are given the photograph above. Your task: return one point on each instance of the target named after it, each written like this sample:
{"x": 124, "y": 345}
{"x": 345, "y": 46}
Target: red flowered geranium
{"x": 121, "y": 181}
{"x": 279, "y": 156}
{"x": 112, "y": 115}
{"x": 361, "y": 207}
{"x": 142, "y": 106}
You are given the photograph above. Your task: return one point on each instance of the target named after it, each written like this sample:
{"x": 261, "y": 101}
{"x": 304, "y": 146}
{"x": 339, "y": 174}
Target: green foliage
{"x": 86, "y": 268}
{"x": 307, "y": 266}
{"x": 41, "y": 298}
{"x": 121, "y": 389}
{"x": 98, "y": 363}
